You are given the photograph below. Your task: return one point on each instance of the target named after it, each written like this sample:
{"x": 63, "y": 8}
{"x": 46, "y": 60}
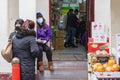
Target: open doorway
{"x": 58, "y": 9}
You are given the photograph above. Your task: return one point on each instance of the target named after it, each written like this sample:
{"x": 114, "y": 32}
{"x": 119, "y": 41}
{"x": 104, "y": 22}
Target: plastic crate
{"x": 107, "y": 75}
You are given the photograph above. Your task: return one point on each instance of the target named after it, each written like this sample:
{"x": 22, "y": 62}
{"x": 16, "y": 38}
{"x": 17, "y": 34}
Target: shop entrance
{"x": 58, "y": 10}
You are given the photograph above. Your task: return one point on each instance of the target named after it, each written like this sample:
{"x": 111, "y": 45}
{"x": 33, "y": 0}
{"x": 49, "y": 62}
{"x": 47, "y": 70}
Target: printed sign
{"x": 98, "y": 32}
{"x": 103, "y": 59}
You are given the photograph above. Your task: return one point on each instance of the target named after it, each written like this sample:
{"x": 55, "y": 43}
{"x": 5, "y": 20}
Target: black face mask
{"x": 17, "y": 28}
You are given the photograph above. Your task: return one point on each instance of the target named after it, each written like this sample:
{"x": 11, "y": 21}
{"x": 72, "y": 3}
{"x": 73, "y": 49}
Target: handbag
{"x": 7, "y": 52}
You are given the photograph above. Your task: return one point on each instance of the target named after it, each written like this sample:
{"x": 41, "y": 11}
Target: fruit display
{"x": 97, "y": 67}
{"x": 102, "y": 63}
{"x": 109, "y": 66}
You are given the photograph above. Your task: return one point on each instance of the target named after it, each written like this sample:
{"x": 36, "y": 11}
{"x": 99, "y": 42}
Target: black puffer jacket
{"x": 26, "y": 49}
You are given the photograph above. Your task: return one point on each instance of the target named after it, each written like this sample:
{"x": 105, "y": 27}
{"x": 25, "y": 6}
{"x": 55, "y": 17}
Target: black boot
{"x": 74, "y": 46}
{"x": 66, "y": 45}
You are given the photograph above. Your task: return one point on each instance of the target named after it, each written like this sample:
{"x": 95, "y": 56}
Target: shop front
{"x": 58, "y": 11}
{"x": 103, "y": 45}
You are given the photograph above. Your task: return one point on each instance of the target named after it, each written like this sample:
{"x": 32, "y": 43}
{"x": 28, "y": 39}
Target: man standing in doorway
{"x": 71, "y": 29}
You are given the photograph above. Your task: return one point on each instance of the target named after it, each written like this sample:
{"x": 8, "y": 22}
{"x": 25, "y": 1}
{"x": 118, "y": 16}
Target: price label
{"x": 102, "y": 59}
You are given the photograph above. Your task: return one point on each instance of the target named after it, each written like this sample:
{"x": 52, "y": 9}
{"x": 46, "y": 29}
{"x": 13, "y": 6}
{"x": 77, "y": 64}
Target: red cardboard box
{"x": 93, "y": 47}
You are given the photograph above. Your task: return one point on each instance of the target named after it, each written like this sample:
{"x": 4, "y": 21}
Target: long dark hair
{"x": 44, "y": 24}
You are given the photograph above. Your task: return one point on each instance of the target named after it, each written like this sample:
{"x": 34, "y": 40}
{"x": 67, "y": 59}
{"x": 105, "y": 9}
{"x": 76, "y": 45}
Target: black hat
{"x": 19, "y": 21}
{"x": 39, "y": 14}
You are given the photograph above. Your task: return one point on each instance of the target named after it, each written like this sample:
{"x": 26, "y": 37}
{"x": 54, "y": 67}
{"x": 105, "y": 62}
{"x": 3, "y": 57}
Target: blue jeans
{"x": 70, "y": 35}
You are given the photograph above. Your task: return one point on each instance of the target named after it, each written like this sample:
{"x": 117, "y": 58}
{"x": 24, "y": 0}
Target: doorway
{"x": 58, "y": 9}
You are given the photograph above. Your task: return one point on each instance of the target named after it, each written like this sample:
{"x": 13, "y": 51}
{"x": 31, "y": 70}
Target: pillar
{"x": 4, "y": 65}
{"x": 27, "y": 9}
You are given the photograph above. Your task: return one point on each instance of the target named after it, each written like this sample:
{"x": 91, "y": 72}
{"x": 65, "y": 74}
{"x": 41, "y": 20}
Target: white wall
{"x": 13, "y": 13}
{"x": 10, "y": 11}
{"x": 115, "y": 20}
{"x": 43, "y": 7}
{"x": 27, "y": 9}
{"x": 4, "y": 66}
{"x": 103, "y": 13}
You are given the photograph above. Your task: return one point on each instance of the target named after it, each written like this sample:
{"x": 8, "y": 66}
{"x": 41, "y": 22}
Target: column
{"x": 27, "y": 9}
{"x": 4, "y": 66}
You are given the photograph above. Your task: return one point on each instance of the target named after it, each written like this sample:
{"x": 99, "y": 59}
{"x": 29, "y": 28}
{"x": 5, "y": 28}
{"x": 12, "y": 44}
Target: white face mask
{"x": 40, "y": 20}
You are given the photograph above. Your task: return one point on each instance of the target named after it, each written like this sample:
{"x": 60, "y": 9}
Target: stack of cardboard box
{"x": 59, "y": 40}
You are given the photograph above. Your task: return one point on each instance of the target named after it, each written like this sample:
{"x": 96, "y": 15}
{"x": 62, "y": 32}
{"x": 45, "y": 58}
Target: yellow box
{"x": 59, "y": 43}
{"x": 60, "y": 34}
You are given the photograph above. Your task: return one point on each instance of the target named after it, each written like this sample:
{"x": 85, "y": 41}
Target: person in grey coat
{"x": 26, "y": 49}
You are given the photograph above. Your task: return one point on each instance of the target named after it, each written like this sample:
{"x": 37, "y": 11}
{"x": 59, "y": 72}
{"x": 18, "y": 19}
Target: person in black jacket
{"x": 71, "y": 29}
{"x": 26, "y": 49}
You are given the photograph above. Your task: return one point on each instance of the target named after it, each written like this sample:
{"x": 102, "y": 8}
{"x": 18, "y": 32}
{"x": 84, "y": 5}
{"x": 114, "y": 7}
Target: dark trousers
{"x": 70, "y": 35}
{"x": 47, "y": 50}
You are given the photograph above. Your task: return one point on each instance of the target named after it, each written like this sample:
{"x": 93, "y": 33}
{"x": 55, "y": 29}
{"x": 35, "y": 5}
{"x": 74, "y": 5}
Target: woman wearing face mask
{"x": 44, "y": 34}
{"x": 18, "y": 23}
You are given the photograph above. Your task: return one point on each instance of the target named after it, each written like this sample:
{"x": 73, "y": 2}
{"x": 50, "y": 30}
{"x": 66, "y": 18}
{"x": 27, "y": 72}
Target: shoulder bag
{"x": 7, "y": 52}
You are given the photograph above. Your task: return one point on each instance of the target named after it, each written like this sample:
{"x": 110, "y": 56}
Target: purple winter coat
{"x": 44, "y": 34}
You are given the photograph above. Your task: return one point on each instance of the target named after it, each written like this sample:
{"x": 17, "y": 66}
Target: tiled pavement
{"x": 69, "y": 64}
{"x": 70, "y": 54}
{"x": 66, "y": 70}
{"x": 5, "y": 76}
